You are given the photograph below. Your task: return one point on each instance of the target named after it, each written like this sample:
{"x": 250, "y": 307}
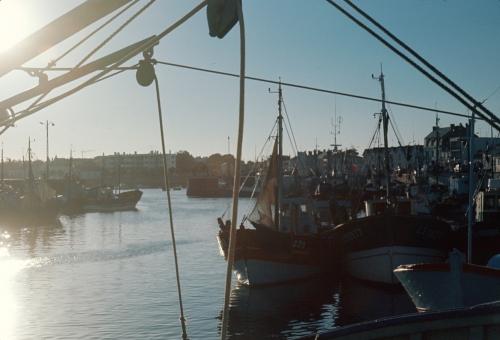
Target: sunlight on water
{"x": 9, "y": 267}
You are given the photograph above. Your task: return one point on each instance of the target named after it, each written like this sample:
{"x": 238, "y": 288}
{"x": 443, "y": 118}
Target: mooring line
{"x": 166, "y": 184}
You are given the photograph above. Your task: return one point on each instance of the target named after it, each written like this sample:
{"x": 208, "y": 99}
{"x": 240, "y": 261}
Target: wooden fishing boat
{"x": 374, "y": 246}
{"x": 104, "y": 200}
{"x": 265, "y": 256}
{"x": 291, "y": 237}
{"x": 391, "y": 233}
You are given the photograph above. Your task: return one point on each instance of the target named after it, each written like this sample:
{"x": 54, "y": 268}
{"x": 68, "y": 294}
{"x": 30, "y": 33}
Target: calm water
{"x": 111, "y": 276}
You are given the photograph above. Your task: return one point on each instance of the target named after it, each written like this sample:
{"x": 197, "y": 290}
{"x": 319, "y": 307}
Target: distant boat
{"x": 101, "y": 199}
{"x": 34, "y": 202}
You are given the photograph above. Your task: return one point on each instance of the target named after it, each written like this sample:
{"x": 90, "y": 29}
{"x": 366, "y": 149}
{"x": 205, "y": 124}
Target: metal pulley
{"x": 222, "y": 15}
{"x": 145, "y": 74}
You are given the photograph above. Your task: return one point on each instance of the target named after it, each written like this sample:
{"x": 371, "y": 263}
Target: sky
{"x": 306, "y": 42}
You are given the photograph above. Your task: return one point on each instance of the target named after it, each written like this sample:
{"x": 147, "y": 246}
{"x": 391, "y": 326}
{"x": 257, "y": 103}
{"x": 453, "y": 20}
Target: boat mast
{"x": 119, "y": 160}
{"x": 70, "y": 172}
{"x": 470, "y": 209}
{"x": 102, "y": 171}
{"x": 30, "y": 169}
{"x": 280, "y": 162}
{"x": 385, "y": 121}
{"x": 437, "y": 142}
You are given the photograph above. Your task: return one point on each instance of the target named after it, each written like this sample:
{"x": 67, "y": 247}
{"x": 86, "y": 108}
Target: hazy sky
{"x": 302, "y": 41}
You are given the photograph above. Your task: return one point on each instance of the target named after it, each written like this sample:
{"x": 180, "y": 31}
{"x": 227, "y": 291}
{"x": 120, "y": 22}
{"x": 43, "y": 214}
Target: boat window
{"x": 303, "y": 208}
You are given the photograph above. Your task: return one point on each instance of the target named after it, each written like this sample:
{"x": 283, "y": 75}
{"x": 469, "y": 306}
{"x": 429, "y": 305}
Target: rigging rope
{"x": 28, "y": 112}
{"x": 489, "y": 117}
{"x": 166, "y": 183}
{"x": 290, "y": 124}
{"x": 115, "y": 32}
{"x": 310, "y": 88}
{"x": 422, "y": 60}
{"x": 88, "y": 36}
{"x": 299, "y": 86}
{"x": 395, "y": 126}
{"x": 376, "y": 132}
{"x": 145, "y": 46}
{"x": 290, "y": 139}
{"x": 236, "y": 185}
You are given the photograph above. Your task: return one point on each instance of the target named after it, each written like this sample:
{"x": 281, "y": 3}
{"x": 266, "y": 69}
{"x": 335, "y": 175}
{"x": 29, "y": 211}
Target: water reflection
{"x": 361, "y": 301}
{"x": 282, "y": 311}
{"x": 32, "y": 235}
{"x": 9, "y": 267}
{"x": 304, "y": 309}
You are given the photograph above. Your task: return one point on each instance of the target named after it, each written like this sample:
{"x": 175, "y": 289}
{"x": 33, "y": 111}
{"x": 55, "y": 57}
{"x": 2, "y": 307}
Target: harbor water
{"x": 111, "y": 276}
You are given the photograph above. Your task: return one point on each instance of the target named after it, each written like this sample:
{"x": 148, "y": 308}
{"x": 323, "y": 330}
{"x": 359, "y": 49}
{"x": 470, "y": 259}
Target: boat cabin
{"x": 301, "y": 216}
{"x": 488, "y": 206}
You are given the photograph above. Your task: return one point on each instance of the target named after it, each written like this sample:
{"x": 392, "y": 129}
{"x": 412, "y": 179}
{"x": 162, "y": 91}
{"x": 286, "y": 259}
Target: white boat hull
{"x": 377, "y": 265}
{"x": 261, "y": 272}
{"x": 436, "y": 287}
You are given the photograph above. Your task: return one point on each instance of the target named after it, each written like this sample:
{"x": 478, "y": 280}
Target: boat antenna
{"x": 336, "y": 121}
{"x": 385, "y": 123}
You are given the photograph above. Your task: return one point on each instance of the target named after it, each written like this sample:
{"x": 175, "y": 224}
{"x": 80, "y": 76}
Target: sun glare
{"x": 14, "y": 23}
{"x": 9, "y": 267}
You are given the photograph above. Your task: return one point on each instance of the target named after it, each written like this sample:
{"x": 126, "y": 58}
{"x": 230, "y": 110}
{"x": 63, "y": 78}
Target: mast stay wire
{"x": 491, "y": 94}
{"x": 260, "y": 153}
{"x": 422, "y": 60}
{"x": 293, "y": 85}
{"x": 488, "y": 116}
{"x": 53, "y": 62}
{"x": 26, "y": 112}
{"x": 293, "y": 135}
{"x": 375, "y": 133}
{"x": 115, "y": 32}
{"x": 317, "y": 89}
{"x": 290, "y": 138}
{"x": 269, "y": 137}
{"x": 290, "y": 124}
{"x": 395, "y": 128}
{"x": 104, "y": 42}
